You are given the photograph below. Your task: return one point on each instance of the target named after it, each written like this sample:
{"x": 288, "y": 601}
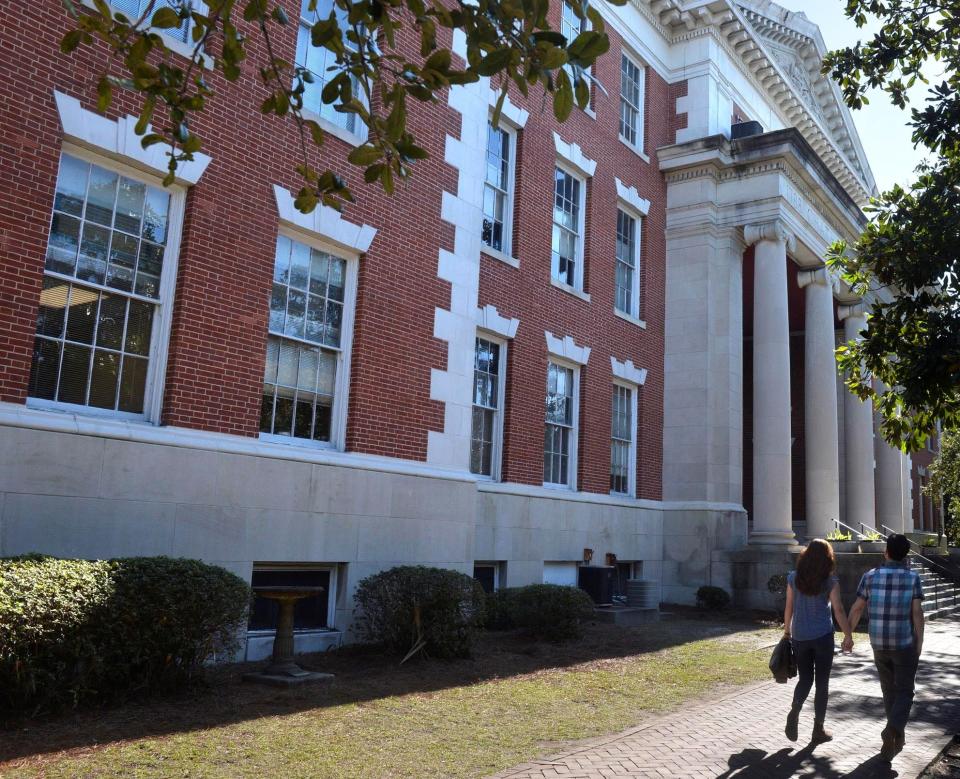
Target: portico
{"x": 749, "y": 223}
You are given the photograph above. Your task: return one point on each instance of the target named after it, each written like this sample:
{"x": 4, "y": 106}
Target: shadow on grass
{"x": 361, "y": 674}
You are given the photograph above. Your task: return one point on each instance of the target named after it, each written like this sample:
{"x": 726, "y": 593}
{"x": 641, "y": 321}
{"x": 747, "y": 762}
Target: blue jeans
{"x": 897, "y": 669}
{"x": 814, "y": 661}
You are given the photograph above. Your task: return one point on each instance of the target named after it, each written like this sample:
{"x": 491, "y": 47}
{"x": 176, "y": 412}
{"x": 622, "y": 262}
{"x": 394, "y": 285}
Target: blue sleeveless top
{"x": 812, "y": 615}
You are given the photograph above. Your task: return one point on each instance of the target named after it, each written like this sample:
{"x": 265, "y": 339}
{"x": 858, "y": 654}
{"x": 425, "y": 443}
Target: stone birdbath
{"x": 283, "y": 671}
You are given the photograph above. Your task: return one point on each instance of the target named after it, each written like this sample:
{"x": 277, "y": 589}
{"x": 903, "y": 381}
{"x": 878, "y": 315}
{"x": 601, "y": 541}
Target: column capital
{"x": 820, "y": 276}
{"x": 775, "y": 231}
{"x": 851, "y": 311}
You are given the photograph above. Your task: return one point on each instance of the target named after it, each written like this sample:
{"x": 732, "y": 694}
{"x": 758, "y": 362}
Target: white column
{"x": 907, "y": 465}
{"x": 821, "y": 431}
{"x": 888, "y": 481}
{"x": 772, "y": 509}
{"x": 858, "y": 437}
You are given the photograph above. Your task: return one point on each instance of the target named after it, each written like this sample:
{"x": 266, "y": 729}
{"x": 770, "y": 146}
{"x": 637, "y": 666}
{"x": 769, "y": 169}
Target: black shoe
{"x": 793, "y": 719}
{"x": 820, "y": 734}
{"x": 889, "y": 749}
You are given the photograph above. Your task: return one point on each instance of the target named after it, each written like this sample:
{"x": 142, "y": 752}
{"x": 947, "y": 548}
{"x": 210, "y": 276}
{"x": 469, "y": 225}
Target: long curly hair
{"x": 814, "y": 567}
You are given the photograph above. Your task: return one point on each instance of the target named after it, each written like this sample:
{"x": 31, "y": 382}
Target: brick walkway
{"x": 741, "y": 735}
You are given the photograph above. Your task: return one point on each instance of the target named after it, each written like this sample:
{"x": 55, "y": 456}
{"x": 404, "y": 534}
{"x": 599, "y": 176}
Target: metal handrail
{"x": 838, "y": 524}
{"x": 931, "y": 566}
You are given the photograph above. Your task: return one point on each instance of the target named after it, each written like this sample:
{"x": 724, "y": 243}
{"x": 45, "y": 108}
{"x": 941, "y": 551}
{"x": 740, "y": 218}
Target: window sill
{"x": 584, "y": 296}
{"x": 289, "y": 440}
{"x": 631, "y": 319}
{"x": 334, "y": 129}
{"x": 590, "y": 112}
{"x": 623, "y": 495}
{"x": 559, "y": 487}
{"x": 634, "y": 149}
{"x": 494, "y": 254}
{"x": 78, "y": 410}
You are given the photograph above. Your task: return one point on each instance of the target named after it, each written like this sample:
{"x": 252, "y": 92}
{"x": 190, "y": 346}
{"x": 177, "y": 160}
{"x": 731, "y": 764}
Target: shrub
{"x": 547, "y": 611}
{"x": 839, "y": 535}
{"x": 713, "y": 598}
{"x": 413, "y": 609}
{"x": 73, "y": 631}
{"x": 930, "y": 542}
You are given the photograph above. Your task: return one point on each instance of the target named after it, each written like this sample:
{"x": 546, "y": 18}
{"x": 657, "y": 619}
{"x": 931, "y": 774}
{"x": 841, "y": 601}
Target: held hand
{"x": 847, "y": 645}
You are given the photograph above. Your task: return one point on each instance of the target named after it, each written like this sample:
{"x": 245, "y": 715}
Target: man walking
{"x": 893, "y": 594}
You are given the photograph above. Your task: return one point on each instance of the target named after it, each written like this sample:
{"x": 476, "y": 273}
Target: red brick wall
{"x": 218, "y": 339}
{"x": 931, "y": 509}
{"x": 526, "y": 293}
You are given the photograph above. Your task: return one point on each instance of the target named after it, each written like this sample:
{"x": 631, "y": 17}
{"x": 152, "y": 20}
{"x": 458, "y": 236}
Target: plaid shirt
{"x": 890, "y": 591}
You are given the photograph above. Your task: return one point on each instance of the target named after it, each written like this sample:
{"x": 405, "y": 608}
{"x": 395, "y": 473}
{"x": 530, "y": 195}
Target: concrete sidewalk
{"x": 741, "y": 735}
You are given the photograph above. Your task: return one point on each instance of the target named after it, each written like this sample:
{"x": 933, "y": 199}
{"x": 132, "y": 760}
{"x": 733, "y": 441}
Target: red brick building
{"x": 471, "y": 373}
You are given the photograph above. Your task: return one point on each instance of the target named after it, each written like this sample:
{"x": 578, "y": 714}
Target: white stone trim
{"x": 577, "y": 293}
{"x": 510, "y": 114}
{"x": 16, "y": 415}
{"x": 573, "y": 155}
{"x": 566, "y": 349}
{"x": 628, "y": 372}
{"x": 325, "y": 222}
{"x": 631, "y": 319}
{"x": 499, "y": 256}
{"x": 457, "y": 325}
{"x": 489, "y": 319}
{"x": 117, "y": 139}
{"x": 631, "y": 197}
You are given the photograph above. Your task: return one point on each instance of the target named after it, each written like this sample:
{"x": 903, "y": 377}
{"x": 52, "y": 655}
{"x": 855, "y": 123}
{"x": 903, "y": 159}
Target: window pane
{"x": 71, "y": 185}
{"x": 63, "y": 244}
{"x": 103, "y": 379}
{"x": 103, "y": 246}
{"x": 305, "y": 377}
{"x": 74, "y": 374}
{"x": 486, "y": 379}
{"x": 43, "y": 370}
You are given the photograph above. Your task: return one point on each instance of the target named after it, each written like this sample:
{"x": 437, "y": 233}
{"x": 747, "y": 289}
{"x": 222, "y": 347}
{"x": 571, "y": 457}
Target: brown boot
{"x": 793, "y": 718}
{"x": 820, "y": 734}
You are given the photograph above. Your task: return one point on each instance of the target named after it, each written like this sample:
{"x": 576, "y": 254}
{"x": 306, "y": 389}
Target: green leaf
{"x": 364, "y": 155}
{"x": 71, "y": 41}
{"x": 104, "y": 94}
{"x": 562, "y": 96}
{"x": 165, "y": 18}
{"x": 372, "y": 173}
{"x": 494, "y": 62}
{"x": 315, "y": 130}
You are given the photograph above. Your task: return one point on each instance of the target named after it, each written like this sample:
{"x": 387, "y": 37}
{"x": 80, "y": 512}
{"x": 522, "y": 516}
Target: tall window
{"x": 318, "y": 60}
{"x": 497, "y": 189}
{"x": 631, "y": 102}
{"x": 622, "y": 441}
{"x": 567, "y": 250}
{"x": 487, "y": 404}
{"x": 304, "y": 348}
{"x": 101, "y": 289}
{"x": 627, "y": 265}
{"x": 571, "y": 26}
{"x": 560, "y": 435}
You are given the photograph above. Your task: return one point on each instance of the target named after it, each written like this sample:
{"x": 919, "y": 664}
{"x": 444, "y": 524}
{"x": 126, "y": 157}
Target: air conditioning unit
{"x": 598, "y": 582}
{"x": 745, "y": 130}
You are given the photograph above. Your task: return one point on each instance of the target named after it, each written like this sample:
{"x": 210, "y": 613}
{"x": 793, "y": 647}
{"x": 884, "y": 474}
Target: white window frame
{"x": 639, "y": 145}
{"x": 331, "y": 595}
{"x": 359, "y": 134}
{"x": 579, "y": 270}
{"x": 341, "y": 387}
{"x": 572, "y": 459}
{"x": 496, "y": 456}
{"x": 637, "y": 217}
{"x": 632, "y": 458}
{"x": 560, "y": 565}
{"x": 506, "y": 253}
{"x": 584, "y": 27}
{"x": 163, "y": 317}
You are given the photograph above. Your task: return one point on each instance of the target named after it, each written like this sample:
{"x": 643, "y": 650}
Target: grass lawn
{"x": 513, "y": 701}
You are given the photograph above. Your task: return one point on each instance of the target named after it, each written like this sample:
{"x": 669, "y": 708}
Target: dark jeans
{"x": 814, "y": 660}
{"x": 897, "y": 669}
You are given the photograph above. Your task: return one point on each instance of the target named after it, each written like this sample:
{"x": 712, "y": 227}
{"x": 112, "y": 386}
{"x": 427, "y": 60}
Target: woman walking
{"x": 811, "y": 592}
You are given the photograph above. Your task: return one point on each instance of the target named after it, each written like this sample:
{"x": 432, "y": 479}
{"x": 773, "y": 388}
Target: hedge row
{"x": 73, "y": 631}
{"x": 548, "y": 611}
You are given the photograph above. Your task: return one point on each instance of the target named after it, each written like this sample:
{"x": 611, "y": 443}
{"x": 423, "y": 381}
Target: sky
{"x": 881, "y": 125}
